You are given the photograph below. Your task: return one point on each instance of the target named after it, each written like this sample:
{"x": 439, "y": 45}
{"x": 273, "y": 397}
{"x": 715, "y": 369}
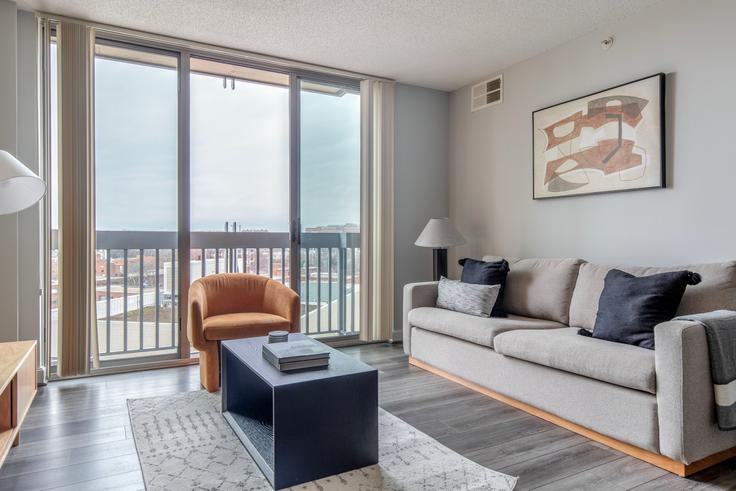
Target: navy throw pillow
{"x": 487, "y": 273}
{"x": 631, "y": 306}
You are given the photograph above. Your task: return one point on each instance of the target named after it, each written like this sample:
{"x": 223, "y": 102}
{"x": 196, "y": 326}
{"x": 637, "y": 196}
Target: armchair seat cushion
{"x": 615, "y": 363}
{"x": 242, "y": 324}
{"x": 478, "y": 330}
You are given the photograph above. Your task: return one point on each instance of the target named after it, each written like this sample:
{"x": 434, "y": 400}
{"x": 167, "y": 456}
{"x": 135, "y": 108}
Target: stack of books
{"x": 296, "y": 355}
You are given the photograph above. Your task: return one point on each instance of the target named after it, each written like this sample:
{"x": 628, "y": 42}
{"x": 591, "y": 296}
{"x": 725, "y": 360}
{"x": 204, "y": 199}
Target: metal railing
{"x": 331, "y": 259}
{"x": 137, "y": 282}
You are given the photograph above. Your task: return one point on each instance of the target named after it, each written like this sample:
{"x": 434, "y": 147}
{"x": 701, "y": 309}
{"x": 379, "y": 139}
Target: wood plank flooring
{"x": 77, "y": 434}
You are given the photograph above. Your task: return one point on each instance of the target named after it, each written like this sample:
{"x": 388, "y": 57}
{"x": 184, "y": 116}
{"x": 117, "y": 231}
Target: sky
{"x": 239, "y": 154}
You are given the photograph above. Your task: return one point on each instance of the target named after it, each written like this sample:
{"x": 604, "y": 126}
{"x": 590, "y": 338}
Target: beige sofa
{"x": 656, "y": 405}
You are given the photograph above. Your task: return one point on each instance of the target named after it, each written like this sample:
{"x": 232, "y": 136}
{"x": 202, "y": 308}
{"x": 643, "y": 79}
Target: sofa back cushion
{"x": 717, "y": 290}
{"x": 540, "y": 288}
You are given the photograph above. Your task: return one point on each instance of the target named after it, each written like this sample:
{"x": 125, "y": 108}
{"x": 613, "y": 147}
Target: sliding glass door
{"x": 239, "y": 183}
{"x": 242, "y": 199}
{"x": 136, "y": 175}
{"x": 329, "y": 207}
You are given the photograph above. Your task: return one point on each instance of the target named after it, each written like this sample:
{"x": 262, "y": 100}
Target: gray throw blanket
{"x": 720, "y": 329}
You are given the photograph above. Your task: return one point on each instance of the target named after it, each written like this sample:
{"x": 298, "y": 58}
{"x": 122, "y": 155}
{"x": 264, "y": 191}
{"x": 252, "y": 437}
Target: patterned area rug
{"x": 183, "y": 442}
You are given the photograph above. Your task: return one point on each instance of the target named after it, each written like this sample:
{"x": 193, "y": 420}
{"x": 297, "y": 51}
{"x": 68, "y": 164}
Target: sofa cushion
{"x": 615, "y": 363}
{"x": 478, "y": 330}
{"x": 487, "y": 273}
{"x": 540, "y": 288}
{"x": 717, "y": 290}
{"x": 630, "y": 306}
{"x": 241, "y": 325}
{"x": 466, "y": 297}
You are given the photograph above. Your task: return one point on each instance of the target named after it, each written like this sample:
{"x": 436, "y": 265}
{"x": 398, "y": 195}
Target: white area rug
{"x": 183, "y": 442}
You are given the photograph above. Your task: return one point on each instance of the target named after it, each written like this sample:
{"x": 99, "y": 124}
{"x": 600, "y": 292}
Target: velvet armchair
{"x": 236, "y": 305}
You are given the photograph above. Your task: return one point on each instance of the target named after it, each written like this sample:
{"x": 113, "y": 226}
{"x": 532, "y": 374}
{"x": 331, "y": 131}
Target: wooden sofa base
{"x": 682, "y": 470}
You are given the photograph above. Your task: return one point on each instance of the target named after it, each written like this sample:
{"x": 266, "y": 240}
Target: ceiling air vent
{"x": 488, "y": 93}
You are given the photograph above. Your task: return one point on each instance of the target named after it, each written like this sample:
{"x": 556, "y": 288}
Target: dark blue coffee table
{"x": 300, "y": 426}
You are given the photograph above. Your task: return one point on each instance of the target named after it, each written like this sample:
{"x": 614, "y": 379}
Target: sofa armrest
{"x": 416, "y": 295}
{"x": 685, "y": 401}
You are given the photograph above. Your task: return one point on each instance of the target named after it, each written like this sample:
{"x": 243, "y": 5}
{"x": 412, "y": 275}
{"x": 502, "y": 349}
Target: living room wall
{"x": 8, "y": 142}
{"x": 689, "y": 221}
{"x": 420, "y": 181}
{"x": 19, "y": 232}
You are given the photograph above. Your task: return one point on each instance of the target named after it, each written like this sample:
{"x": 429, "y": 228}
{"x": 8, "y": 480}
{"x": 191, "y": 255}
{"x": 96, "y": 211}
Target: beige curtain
{"x": 76, "y": 197}
{"x": 377, "y": 210}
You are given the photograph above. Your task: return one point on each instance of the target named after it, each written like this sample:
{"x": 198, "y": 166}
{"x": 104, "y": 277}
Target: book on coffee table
{"x": 296, "y": 355}
{"x": 301, "y": 365}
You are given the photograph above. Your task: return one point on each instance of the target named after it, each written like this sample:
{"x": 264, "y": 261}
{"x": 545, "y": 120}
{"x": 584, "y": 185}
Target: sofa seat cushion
{"x": 615, "y": 363}
{"x": 478, "y": 330}
{"x": 241, "y": 325}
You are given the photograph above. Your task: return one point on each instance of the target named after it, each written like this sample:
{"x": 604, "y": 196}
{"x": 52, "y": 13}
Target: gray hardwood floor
{"x": 77, "y": 434}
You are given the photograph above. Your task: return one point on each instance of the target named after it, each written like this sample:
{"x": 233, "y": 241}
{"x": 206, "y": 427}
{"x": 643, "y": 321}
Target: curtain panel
{"x": 76, "y": 197}
{"x": 377, "y": 210}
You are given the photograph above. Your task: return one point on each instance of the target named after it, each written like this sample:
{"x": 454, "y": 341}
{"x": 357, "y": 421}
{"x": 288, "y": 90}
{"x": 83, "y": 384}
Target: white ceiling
{"x": 443, "y": 44}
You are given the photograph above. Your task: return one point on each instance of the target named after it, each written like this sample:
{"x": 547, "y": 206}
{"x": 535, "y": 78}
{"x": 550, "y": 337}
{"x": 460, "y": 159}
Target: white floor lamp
{"x": 19, "y": 186}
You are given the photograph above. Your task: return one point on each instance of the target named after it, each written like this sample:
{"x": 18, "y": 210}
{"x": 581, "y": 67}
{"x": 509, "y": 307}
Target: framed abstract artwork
{"x": 609, "y": 141}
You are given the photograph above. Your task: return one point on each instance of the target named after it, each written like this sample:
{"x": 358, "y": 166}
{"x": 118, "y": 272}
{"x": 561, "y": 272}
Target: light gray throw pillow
{"x": 466, "y": 297}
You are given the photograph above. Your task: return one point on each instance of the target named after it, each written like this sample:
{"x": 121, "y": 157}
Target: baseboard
{"x": 666, "y": 463}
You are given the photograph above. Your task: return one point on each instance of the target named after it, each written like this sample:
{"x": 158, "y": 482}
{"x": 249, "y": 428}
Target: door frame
{"x": 184, "y": 206}
{"x": 295, "y": 225}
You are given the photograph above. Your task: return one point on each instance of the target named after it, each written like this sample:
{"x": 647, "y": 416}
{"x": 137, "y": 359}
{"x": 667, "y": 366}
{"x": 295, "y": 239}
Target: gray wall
{"x": 19, "y": 232}
{"x": 29, "y": 224}
{"x": 690, "y": 221}
{"x": 8, "y": 142}
{"x": 420, "y": 181}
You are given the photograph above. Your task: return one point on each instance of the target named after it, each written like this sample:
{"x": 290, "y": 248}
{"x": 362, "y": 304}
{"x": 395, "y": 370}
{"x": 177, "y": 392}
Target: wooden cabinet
{"x": 17, "y": 390}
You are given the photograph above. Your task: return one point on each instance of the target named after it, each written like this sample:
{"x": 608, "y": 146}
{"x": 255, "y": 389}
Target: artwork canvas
{"x": 609, "y": 141}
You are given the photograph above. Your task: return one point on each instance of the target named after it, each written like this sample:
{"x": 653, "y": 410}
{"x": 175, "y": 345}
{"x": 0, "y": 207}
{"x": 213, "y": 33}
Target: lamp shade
{"x": 439, "y": 233}
{"x": 19, "y": 186}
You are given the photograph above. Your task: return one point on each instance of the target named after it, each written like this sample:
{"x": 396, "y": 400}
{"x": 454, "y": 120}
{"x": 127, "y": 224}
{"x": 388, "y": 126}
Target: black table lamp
{"x": 439, "y": 234}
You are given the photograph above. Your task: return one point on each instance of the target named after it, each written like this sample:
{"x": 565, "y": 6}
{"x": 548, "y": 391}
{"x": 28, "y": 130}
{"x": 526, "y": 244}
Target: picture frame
{"x": 608, "y": 141}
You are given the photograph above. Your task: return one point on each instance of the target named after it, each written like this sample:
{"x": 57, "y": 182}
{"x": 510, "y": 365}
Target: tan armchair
{"x": 232, "y": 306}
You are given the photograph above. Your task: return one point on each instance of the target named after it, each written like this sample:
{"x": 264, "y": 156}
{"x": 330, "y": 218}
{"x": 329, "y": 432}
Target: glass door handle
{"x": 295, "y": 232}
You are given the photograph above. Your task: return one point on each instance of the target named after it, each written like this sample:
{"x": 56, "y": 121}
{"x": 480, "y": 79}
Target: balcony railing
{"x": 137, "y": 283}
